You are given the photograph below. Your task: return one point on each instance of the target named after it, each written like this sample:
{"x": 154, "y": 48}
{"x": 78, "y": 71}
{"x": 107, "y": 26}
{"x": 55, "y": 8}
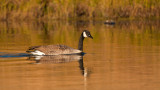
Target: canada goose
{"x": 59, "y": 49}
{"x": 109, "y": 22}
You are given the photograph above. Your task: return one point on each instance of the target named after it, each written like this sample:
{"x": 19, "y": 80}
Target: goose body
{"x": 59, "y": 49}
{"x": 52, "y": 50}
{"x": 109, "y": 22}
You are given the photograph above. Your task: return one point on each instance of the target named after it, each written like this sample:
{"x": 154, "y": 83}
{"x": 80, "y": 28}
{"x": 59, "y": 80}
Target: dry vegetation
{"x": 73, "y": 9}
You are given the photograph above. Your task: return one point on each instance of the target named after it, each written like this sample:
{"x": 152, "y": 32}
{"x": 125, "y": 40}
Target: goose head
{"x": 86, "y": 33}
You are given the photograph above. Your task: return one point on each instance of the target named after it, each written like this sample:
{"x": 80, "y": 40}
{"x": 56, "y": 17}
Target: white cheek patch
{"x": 84, "y": 34}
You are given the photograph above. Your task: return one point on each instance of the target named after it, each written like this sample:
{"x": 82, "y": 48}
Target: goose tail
{"x": 33, "y": 50}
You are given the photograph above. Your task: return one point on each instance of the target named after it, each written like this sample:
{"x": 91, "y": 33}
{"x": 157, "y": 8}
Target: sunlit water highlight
{"x": 125, "y": 56}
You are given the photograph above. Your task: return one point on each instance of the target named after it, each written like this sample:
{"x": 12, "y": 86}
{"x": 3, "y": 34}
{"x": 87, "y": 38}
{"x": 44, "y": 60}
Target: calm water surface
{"x": 121, "y": 57}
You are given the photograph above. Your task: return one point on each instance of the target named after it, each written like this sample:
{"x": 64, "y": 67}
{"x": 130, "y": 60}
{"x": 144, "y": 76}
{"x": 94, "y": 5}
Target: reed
{"x": 78, "y": 9}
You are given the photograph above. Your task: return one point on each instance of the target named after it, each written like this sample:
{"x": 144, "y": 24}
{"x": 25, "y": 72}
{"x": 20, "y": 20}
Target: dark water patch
{"x": 9, "y": 55}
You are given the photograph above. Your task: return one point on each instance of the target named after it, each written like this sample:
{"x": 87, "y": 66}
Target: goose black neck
{"x": 80, "y": 45}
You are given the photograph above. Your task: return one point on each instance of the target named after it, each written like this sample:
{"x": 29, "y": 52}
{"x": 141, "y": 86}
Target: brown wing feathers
{"x": 53, "y": 49}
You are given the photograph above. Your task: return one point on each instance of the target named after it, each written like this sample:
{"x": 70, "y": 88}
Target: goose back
{"x": 53, "y": 50}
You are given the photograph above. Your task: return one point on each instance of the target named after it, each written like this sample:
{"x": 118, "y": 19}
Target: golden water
{"x": 121, "y": 57}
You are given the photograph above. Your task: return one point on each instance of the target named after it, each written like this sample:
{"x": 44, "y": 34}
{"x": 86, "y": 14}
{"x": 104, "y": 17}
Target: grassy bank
{"x": 73, "y": 9}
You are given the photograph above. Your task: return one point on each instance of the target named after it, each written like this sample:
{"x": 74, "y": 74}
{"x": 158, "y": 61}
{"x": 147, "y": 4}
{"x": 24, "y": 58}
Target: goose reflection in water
{"x": 55, "y": 59}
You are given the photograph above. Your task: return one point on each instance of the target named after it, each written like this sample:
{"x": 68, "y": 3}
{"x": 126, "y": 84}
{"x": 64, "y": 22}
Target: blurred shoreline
{"x": 74, "y": 9}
